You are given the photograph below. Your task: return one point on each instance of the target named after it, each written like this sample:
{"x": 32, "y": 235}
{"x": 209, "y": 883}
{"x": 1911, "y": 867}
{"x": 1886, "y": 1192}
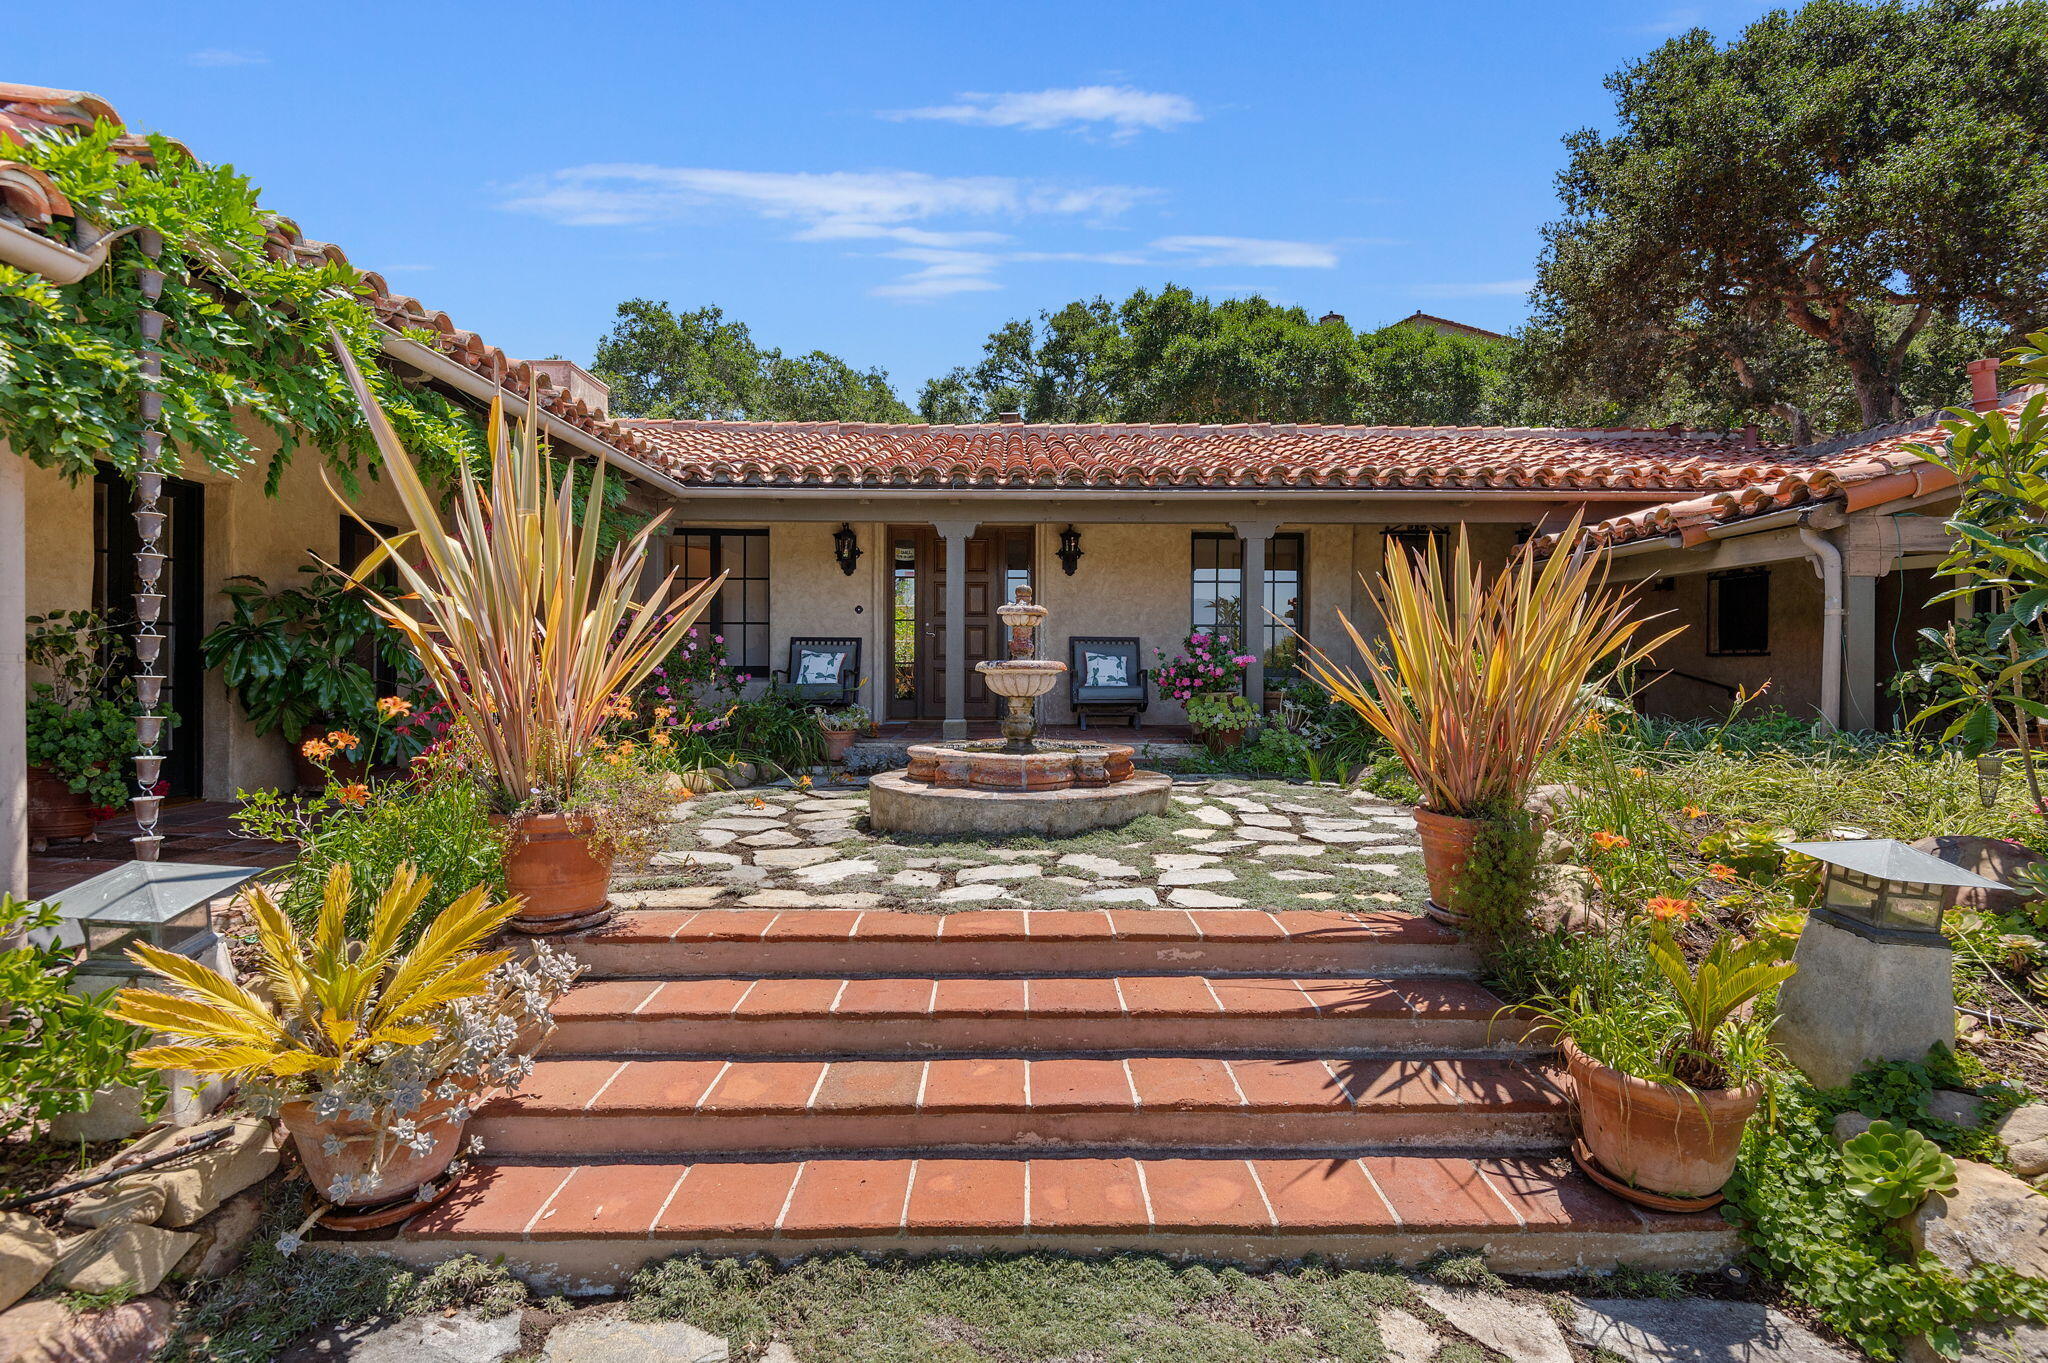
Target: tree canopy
{"x": 1176, "y": 356}
{"x": 664, "y": 363}
{"x": 1819, "y": 220}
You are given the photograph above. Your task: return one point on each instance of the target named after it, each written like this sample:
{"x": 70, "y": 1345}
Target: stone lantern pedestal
{"x": 1855, "y": 1001}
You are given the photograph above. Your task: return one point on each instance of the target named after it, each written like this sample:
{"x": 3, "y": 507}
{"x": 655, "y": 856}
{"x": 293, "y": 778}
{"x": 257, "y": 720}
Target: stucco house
{"x": 1804, "y": 567}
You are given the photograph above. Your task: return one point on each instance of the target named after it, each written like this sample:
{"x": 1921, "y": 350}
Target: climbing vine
{"x": 247, "y": 332}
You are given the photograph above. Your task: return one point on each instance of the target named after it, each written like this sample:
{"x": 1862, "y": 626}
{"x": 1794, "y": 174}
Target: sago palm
{"x": 330, "y": 1000}
{"x": 1728, "y": 978}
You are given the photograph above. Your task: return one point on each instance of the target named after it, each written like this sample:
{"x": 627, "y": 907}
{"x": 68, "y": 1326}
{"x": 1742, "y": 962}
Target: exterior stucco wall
{"x": 1792, "y": 667}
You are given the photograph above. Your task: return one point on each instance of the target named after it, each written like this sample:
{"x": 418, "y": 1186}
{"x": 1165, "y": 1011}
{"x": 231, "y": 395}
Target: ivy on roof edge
{"x": 247, "y": 332}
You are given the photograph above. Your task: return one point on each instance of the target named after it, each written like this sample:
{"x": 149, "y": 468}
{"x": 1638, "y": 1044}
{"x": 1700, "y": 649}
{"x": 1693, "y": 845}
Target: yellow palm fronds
{"x": 519, "y": 626}
{"x": 1478, "y": 675}
{"x": 331, "y": 1000}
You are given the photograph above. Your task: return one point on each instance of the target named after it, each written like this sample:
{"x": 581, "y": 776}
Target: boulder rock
{"x": 2025, "y": 1133}
{"x": 194, "y": 1185}
{"x": 1570, "y": 898}
{"x": 1547, "y": 802}
{"x": 28, "y": 1250}
{"x": 112, "y": 1203}
{"x": 223, "y": 1236}
{"x": 1850, "y": 1125}
{"x": 1991, "y": 1218}
{"x": 119, "y": 1257}
{"x": 1955, "y": 1107}
{"x": 1406, "y": 1339}
{"x": 116, "y": 1113}
{"x": 459, "y": 1338}
{"x": 1994, "y": 858}
{"x": 50, "y": 1332}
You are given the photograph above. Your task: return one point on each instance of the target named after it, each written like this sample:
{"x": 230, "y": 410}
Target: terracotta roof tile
{"x": 1247, "y": 455}
{"x": 1857, "y": 473}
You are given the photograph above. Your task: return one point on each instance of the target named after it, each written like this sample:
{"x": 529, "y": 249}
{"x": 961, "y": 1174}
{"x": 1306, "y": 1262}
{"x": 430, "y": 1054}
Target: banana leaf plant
{"x": 530, "y": 633}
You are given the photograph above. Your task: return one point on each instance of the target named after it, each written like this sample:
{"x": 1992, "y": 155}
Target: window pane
{"x": 757, "y": 601}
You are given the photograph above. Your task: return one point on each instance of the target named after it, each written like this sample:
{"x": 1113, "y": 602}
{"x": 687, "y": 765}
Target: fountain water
{"x": 1017, "y": 785}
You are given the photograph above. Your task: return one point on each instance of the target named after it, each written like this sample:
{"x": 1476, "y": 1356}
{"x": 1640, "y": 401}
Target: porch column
{"x": 956, "y": 534}
{"x": 1252, "y": 612}
{"x": 13, "y": 673}
{"x": 1859, "y": 652}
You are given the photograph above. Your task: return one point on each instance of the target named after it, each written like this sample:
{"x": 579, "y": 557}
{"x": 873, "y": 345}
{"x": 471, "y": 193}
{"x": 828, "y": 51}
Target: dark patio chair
{"x": 823, "y": 671}
{"x": 1105, "y": 680}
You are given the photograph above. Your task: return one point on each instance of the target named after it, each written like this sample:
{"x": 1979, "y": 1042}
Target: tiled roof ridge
{"x": 1866, "y": 469}
{"x": 1719, "y": 438}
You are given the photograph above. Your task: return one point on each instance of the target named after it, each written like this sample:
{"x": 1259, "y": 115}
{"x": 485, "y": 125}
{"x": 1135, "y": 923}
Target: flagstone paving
{"x": 1221, "y": 844}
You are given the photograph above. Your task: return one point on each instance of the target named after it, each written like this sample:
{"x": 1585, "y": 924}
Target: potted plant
{"x": 535, "y": 640}
{"x": 840, "y": 728}
{"x": 1221, "y": 717}
{"x": 81, "y": 730}
{"x": 304, "y": 663}
{"x": 1667, "y": 1077}
{"x": 372, "y": 1054}
{"x": 1481, "y": 674}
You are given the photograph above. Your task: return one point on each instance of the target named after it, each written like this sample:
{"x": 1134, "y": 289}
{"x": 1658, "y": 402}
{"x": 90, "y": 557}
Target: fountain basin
{"x": 953, "y": 789}
{"x": 1021, "y": 678}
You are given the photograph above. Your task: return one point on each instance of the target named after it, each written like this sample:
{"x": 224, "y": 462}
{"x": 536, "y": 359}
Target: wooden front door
{"x": 998, "y": 562}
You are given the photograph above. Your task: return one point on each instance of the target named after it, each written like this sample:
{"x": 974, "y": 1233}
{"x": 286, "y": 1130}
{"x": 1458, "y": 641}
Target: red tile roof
{"x": 1867, "y": 470}
{"x": 1250, "y": 455}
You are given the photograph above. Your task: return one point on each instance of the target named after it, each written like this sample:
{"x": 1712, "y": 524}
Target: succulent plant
{"x": 1892, "y": 1168}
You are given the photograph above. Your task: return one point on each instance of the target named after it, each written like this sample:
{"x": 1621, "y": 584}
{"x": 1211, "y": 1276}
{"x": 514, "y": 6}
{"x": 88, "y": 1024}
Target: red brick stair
{"x": 1232, "y": 1084}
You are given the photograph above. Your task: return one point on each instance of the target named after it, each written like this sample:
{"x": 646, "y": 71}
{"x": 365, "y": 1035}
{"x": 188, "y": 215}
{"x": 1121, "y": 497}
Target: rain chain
{"x": 149, "y": 563}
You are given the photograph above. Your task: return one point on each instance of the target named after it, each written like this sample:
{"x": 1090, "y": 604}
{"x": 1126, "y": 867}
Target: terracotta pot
{"x": 55, "y": 810}
{"x": 1221, "y": 741}
{"x": 347, "y": 770}
{"x": 399, "y": 1172}
{"x": 837, "y": 741}
{"x": 1656, "y": 1138}
{"x": 550, "y": 863}
{"x": 1446, "y": 846}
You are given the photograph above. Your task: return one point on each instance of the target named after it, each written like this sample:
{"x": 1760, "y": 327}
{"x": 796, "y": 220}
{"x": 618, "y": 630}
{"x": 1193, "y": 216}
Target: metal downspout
{"x": 1827, "y": 562}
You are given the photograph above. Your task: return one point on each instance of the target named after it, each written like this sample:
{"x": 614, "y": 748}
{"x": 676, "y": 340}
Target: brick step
{"x": 593, "y": 1223}
{"x": 1177, "y": 1014}
{"x": 648, "y": 1107}
{"x": 656, "y": 942}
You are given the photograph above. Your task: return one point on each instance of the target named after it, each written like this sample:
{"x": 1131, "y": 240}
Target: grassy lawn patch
{"x": 1020, "y": 1309}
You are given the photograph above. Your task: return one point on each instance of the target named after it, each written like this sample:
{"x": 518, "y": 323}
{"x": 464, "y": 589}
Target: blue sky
{"x": 886, "y": 181}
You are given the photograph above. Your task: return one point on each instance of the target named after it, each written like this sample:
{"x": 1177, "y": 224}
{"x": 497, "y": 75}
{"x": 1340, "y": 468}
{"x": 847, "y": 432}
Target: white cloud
{"x": 1122, "y": 110}
{"x": 1250, "y": 251}
{"x": 222, "y": 56}
{"x": 842, "y": 202}
{"x": 944, "y": 273}
{"x": 1490, "y": 289}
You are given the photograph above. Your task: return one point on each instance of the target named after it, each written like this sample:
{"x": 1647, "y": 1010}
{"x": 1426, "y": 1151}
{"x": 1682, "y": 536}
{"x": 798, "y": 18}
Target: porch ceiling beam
{"x": 1747, "y": 551}
{"x": 1179, "y": 507}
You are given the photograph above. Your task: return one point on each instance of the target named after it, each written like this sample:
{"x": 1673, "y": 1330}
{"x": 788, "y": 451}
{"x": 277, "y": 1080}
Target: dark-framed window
{"x": 1417, "y": 539}
{"x": 355, "y": 544}
{"x": 1739, "y": 612}
{"x": 739, "y": 613}
{"x": 1216, "y": 587}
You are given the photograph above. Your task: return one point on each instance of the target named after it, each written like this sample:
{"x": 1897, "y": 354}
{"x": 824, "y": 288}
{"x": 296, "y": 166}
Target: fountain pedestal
{"x": 1017, "y": 785}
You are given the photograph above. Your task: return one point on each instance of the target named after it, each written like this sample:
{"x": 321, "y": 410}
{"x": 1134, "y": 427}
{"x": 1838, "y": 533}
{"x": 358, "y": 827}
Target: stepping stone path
{"x": 1224, "y": 845}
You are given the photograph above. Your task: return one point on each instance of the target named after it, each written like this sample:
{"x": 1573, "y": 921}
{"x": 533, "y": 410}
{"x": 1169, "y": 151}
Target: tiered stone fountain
{"x": 1016, "y": 784}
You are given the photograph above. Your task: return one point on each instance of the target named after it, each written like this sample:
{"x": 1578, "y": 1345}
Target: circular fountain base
{"x": 951, "y": 789}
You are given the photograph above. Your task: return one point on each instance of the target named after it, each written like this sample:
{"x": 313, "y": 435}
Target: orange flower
{"x": 356, "y": 793}
{"x": 757, "y": 803}
{"x": 1671, "y": 910}
{"x": 1639, "y": 772}
{"x": 662, "y": 741}
{"x": 315, "y": 750}
{"x": 1607, "y": 841}
{"x": 803, "y": 782}
{"x": 391, "y": 707}
{"x": 1721, "y": 870}
{"x": 342, "y": 738}
{"x": 1693, "y": 812}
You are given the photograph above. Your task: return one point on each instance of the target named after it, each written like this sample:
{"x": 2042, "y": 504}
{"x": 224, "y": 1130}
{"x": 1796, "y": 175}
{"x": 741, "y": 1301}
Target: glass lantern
{"x": 1884, "y": 890}
{"x": 163, "y": 903}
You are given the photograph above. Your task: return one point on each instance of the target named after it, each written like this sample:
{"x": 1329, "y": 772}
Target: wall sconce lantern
{"x": 846, "y": 548}
{"x": 1069, "y": 553}
{"x": 1876, "y": 975}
